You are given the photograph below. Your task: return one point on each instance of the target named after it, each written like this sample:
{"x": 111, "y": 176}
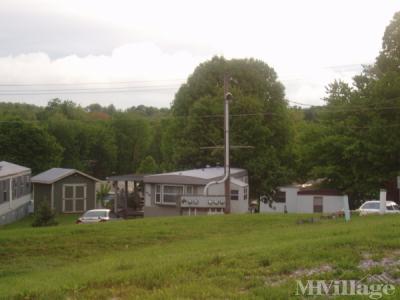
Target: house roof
{"x": 320, "y": 192}
{"x": 55, "y": 174}
{"x": 8, "y": 169}
{"x": 126, "y": 177}
{"x": 195, "y": 176}
{"x": 238, "y": 182}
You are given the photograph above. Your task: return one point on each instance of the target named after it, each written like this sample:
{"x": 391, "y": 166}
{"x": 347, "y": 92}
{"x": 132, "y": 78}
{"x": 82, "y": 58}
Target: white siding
{"x": 331, "y": 204}
{"x": 275, "y": 207}
{"x": 237, "y": 206}
{"x": 147, "y": 194}
{"x": 303, "y": 203}
{"x": 291, "y": 198}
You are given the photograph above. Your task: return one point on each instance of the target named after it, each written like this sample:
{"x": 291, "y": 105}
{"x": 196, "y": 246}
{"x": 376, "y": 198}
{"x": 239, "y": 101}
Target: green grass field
{"x": 217, "y": 257}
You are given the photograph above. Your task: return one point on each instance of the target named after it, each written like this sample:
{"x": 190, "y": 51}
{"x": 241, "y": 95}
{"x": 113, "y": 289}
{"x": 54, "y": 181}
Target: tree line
{"x": 352, "y": 142}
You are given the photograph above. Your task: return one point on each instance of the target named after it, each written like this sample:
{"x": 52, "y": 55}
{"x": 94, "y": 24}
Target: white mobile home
{"x": 15, "y": 192}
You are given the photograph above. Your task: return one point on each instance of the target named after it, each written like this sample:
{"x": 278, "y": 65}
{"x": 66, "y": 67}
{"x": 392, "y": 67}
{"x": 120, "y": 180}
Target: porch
{"x": 129, "y": 197}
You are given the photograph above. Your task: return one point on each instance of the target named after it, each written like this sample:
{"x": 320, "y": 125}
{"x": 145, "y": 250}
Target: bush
{"x": 44, "y": 216}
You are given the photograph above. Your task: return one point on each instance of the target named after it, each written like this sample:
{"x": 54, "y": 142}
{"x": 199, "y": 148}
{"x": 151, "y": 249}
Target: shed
{"x": 295, "y": 199}
{"x": 65, "y": 190}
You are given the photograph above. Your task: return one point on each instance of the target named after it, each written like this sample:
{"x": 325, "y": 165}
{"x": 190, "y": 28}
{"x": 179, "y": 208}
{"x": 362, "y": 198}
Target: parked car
{"x": 97, "y": 215}
{"x": 373, "y": 207}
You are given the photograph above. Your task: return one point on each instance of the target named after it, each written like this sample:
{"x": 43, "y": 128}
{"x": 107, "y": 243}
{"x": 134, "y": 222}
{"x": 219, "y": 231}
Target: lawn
{"x": 218, "y": 257}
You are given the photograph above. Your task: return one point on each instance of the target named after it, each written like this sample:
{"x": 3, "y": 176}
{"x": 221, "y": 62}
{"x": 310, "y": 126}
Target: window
{"x": 21, "y": 185}
{"x": 318, "y": 206}
{"x": 27, "y": 184}
{"x": 158, "y": 193}
{"x": 14, "y": 188}
{"x": 96, "y": 214}
{"x": 3, "y": 191}
{"x": 245, "y": 193}
{"x": 371, "y": 205}
{"x": 168, "y": 194}
{"x": 171, "y": 194}
{"x": 280, "y": 197}
{"x": 234, "y": 194}
{"x": 189, "y": 190}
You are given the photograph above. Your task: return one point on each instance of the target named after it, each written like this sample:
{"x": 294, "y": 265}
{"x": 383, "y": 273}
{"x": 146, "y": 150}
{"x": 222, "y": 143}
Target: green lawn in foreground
{"x": 223, "y": 257}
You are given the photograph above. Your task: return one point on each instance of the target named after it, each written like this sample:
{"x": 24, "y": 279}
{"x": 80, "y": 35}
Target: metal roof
{"x": 238, "y": 182}
{"x": 126, "y": 177}
{"x": 55, "y": 174}
{"x": 195, "y": 176}
{"x": 8, "y": 169}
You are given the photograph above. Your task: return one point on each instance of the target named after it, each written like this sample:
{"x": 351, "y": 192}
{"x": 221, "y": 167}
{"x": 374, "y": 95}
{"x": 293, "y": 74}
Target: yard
{"x": 223, "y": 257}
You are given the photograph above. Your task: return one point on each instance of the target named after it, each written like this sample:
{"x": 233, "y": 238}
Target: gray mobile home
{"x": 15, "y": 192}
{"x": 182, "y": 192}
{"x": 65, "y": 190}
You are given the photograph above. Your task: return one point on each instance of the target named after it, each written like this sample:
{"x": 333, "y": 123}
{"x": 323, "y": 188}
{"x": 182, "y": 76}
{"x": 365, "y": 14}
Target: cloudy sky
{"x": 138, "y": 52}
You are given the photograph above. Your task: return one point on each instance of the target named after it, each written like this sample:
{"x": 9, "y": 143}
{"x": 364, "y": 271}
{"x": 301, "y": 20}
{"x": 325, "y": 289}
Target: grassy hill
{"x": 225, "y": 257}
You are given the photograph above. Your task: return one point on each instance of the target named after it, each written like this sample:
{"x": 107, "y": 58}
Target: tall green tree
{"x": 259, "y": 118}
{"x": 358, "y": 141}
{"x": 132, "y": 137}
{"x": 29, "y": 145}
{"x": 147, "y": 166}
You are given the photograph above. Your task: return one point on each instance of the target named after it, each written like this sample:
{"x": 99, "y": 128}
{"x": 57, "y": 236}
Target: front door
{"x": 318, "y": 205}
{"x": 74, "y": 198}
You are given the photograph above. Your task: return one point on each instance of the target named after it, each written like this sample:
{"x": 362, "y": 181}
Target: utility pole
{"x": 226, "y": 179}
{"x": 227, "y": 98}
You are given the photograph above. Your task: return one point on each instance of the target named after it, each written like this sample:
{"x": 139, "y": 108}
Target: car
{"x": 96, "y": 216}
{"x": 373, "y": 207}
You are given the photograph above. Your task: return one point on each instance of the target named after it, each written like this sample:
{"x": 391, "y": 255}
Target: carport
{"x": 128, "y": 204}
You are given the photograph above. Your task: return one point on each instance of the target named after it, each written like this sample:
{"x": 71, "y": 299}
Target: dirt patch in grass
{"x": 386, "y": 269}
{"x": 276, "y": 281}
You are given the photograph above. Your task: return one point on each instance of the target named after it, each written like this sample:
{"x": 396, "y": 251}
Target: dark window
{"x": 14, "y": 188}
{"x": 371, "y": 205}
{"x": 234, "y": 194}
{"x": 158, "y": 193}
{"x": 27, "y": 184}
{"x": 318, "y": 207}
{"x": 1, "y": 191}
{"x": 189, "y": 190}
{"x": 280, "y": 197}
{"x": 171, "y": 194}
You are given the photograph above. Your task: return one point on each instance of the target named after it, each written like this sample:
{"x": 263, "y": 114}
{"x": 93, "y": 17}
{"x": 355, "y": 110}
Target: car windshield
{"x": 371, "y": 205}
{"x": 97, "y": 213}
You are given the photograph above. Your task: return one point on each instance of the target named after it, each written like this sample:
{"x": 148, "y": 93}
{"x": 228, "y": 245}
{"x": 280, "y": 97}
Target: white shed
{"x": 293, "y": 199}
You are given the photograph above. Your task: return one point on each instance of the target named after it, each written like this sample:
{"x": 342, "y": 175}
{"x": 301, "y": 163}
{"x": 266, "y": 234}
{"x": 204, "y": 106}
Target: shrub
{"x": 44, "y": 216}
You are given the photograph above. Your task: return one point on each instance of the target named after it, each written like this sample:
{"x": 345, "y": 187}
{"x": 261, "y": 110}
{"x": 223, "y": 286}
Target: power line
{"x": 91, "y": 83}
{"x": 90, "y": 91}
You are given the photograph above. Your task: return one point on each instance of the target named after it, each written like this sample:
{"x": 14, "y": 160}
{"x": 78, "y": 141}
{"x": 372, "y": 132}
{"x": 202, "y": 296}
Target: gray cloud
{"x": 57, "y": 35}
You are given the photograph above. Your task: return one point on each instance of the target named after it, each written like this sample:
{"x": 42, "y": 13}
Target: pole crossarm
{"x": 222, "y": 147}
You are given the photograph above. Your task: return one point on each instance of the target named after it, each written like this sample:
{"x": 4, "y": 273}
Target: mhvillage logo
{"x": 348, "y": 287}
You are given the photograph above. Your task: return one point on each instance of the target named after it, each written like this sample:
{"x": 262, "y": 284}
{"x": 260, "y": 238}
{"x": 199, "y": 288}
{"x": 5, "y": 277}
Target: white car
{"x": 373, "y": 207}
{"x": 97, "y": 215}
